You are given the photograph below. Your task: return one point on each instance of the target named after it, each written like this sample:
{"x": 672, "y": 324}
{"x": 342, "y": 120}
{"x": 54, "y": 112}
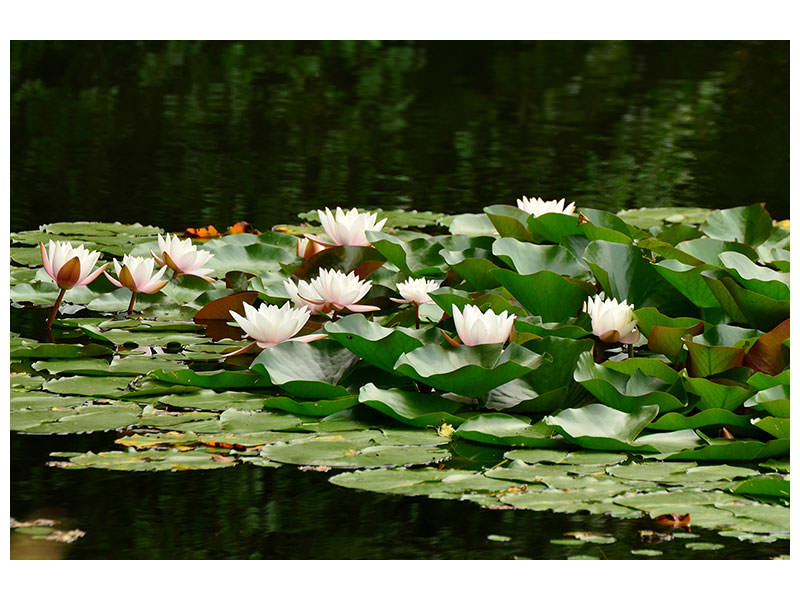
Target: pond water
{"x": 187, "y": 133}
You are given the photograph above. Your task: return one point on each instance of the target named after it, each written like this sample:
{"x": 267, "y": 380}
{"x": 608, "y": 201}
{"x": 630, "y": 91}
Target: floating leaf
{"x": 307, "y": 370}
{"x": 746, "y": 224}
{"x": 507, "y": 430}
{"x": 412, "y": 408}
{"x": 467, "y": 370}
{"x": 551, "y": 296}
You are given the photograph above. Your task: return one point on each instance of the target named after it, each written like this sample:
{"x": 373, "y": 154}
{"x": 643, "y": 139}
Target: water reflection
{"x": 182, "y": 133}
{"x": 249, "y": 512}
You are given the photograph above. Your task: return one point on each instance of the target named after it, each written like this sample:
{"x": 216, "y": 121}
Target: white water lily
{"x": 538, "y": 207}
{"x": 70, "y": 267}
{"x": 182, "y": 257}
{"x": 307, "y": 248}
{"x": 417, "y": 291}
{"x": 347, "y": 228}
{"x": 330, "y": 291}
{"x": 612, "y": 321}
{"x": 475, "y": 327}
{"x": 136, "y": 274}
{"x": 269, "y": 325}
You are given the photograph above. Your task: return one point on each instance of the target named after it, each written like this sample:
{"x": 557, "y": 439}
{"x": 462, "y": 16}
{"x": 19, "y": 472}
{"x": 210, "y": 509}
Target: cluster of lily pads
{"x": 547, "y": 356}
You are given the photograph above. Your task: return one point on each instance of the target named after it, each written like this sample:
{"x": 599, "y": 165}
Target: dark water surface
{"x": 185, "y": 133}
{"x": 265, "y": 513}
{"x": 191, "y": 133}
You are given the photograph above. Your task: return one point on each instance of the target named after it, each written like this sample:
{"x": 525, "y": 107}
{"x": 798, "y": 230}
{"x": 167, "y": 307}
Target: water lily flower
{"x": 136, "y": 274}
{"x": 330, "y": 291}
{"x": 347, "y": 228}
{"x": 182, "y": 257}
{"x": 269, "y": 325}
{"x": 538, "y": 207}
{"x": 416, "y": 291}
{"x": 612, "y": 321}
{"x": 69, "y": 267}
{"x": 307, "y": 248}
{"x": 475, "y": 328}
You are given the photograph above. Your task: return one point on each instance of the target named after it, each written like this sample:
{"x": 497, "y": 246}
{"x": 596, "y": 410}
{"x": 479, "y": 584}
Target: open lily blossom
{"x": 307, "y": 248}
{"x": 538, "y": 207}
{"x": 475, "y": 327}
{"x": 416, "y": 291}
{"x": 136, "y": 274}
{"x": 347, "y": 228}
{"x": 182, "y": 257}
{"x": 330, "y": 291}
{"x": 70, "y": 267}
{"x": 269, "y": 325}
{"x": 612, "y": 321}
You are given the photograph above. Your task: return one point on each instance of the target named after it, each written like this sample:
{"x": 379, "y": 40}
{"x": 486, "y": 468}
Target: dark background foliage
{"x": 188, "y": 133}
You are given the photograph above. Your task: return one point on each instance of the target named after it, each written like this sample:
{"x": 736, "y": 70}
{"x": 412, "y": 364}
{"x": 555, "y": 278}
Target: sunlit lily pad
{"x": 467, "y": 370}
{"x": 507, "y": 430}
{"x": 411, "y": 408}
{"x": 307, "y": 370}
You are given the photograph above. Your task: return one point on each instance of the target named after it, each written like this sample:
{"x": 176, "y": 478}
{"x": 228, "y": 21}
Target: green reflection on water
{"x": 183, "y": 133}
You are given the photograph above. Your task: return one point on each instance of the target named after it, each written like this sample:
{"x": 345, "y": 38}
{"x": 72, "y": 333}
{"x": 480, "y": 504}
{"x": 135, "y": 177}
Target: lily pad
{"x": 507, "y": 430}
{"x": 307, "y": 370}
{"x": 467, "y": 370}
{"x": 411, "y": 408}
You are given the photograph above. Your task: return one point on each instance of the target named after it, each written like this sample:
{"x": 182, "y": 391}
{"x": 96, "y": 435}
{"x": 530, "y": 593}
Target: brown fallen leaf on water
{"x": 318, "y": 468}
{"x": 674, "y": 520}
{"x": 242, "y": 227}
{"x": 202, "y": 232}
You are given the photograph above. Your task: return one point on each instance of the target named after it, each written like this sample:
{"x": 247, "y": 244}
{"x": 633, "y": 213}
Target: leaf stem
{"x": 55, "y": 308}
{"x": 133, "y": 299}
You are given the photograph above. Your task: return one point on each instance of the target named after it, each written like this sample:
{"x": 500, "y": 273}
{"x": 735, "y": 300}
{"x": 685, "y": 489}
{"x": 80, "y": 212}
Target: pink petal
{"x": 46, "y": 261}
{"x": 361, "y": 307}
{"x": 89, "y": 279}
{"x": 310, "y": 337}
{"x": 112, "y": 280}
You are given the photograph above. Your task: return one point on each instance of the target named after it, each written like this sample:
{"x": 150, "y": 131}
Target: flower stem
{"x": 55, "y": 308}
{"x": 630, "y": 350}
{"x": 133, "y": 299}
{"x": 417, "y": 315}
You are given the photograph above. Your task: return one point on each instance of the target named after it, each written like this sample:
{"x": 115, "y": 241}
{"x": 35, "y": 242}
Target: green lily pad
{"x": 650, "y": 383}
{"x": 130, "y": 366}
{"x": 509, "y": 221}
{"x": 417, "y": 257}
{"x": 774, "y": 400}
{"x": 467, "y": 370}
{"x": 211, "y": 400}
{"x": 749, "y": 225}
{"x": 100, "y": 417}
{"x": 507, "y": 430}
{"x": 153, "y": 460}
{"x": 307, "y": 370}
{"x": 553, "y": 227}
{"x": 646, "y": 218}
{"x": 722, "y": 449}
{"x": 599, "y": 427}
{"x": 314, "y": 408}
{"x": 411, "y": 408}
{"x": 527, "y": 258}
{"x": 380, "y": 346}
{"x": 673, "y": 421}
{"x": 547, "y": 294}
{"x": 568, "y": 458}
{"x": 775, "y": 426}
{"x": 763, "y": 280}
{"x": 621, "y": 270}
{"x": 360, "y": 449}
{"x": 776, "y": 487}
{"x": 219, "y": 379}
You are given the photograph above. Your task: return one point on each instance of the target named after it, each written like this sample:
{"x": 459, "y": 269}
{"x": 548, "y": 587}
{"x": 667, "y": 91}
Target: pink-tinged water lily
{"x": 538, "y": 207}
{"x": 69, "y": 267}
{"x": 347, "y": 228}
{"x": 269, "y": 325}
{"x": 612, "y": 321}
{"x": 475, "y": 327}
{"x": 330, "y": 291}
{"x": 182, "y": 257}
{"x": 136, "y": 274}
{"x": 416, "y": 291}
{"x": 307, "y": 248}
